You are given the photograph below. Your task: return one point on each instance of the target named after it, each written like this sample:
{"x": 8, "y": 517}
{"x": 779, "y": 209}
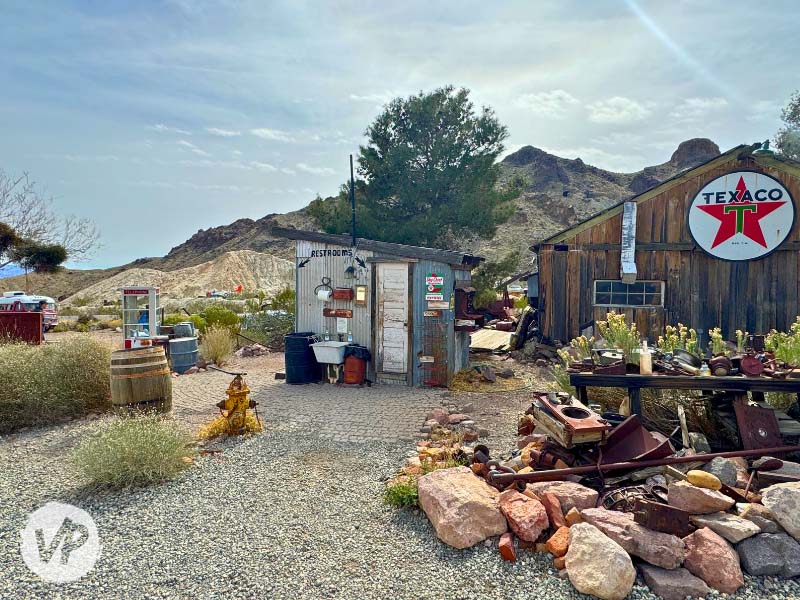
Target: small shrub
{"x": 79, "y": 302}
{"x": 269, "y": 329}
{"x": 402, "y": 493}
{"x": 175, "y": 318}
{"x": 40, "y": 385}
{"x": 114, "y": 323}
{"x": 284, "y": 300}
{"x": 134, "y": 451}
{"x": 222, "y": 317}
{"x": 216, "y": 344}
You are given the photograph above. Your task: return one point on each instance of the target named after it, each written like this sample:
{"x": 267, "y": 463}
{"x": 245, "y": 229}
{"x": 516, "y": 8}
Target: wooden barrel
{"x": 141, "y": 380}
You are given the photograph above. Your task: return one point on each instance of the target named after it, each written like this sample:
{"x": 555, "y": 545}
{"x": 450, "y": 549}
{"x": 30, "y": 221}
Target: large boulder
{"x": 569, "y": 494}
{"x": 724, "y": 469}
{"x": 783, "y": 501}
{"x": 697, "y": 500}
{"x": 597, "y": 565}
{"x": 673, "y": 584}
{"x": 732, "y": 528}
{"x": 462, "y": 507}
{"x": 770, "y": 554}
{"x": 661, "y": 549}
{"x": 712, "y": 559}
{"x": 526, "y": 516}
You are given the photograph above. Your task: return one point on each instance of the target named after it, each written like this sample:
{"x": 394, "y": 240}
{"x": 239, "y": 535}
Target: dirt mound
{"x": 253, "y": 270}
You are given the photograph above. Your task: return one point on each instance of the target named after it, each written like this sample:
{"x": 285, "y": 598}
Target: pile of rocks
{"x": 443, "y": 422}
{"x": 252, "y": 350}
{"x": 599, "y": 550}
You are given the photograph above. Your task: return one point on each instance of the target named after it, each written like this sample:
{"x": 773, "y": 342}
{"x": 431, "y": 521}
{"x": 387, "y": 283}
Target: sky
{"x": 157, "y": 119}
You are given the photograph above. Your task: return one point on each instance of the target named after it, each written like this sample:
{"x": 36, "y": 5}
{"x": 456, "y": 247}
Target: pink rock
{"x": 526, "y": 516}
{"x": 457, "y": 418}
{"x": 660, "y": 549}
{"x": 597, "y": 565}
{"x": 462, "y": 508}
{"x": 553, "y": 507}
{"x": 570, "y": 495}
{"x": 439, "y": 415}
{"x": 712, "y": 559}
{"x": 696, "y": 500}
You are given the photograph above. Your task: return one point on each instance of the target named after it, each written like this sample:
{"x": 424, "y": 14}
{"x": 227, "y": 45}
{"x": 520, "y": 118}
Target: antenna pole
{"x": 352, "y": 201}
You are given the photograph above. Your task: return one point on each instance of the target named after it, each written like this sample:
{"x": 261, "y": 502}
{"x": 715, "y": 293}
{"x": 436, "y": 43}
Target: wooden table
{"x": 739, "y": 386}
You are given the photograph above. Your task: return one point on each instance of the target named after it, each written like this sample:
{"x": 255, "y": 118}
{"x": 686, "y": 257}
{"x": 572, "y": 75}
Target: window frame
{"x": 661, "y": 293}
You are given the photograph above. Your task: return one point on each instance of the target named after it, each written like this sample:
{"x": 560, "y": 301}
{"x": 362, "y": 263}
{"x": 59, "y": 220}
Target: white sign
{"x": 60, "y": 543}
{"x": 742, "y": 215}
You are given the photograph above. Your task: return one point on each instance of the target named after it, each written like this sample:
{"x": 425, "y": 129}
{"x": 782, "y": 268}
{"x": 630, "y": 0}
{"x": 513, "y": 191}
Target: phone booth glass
{"x": 140, "y": 314}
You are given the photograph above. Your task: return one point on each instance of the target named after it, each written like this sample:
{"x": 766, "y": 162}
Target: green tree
{"x": 486, "y": 278}
{"x": 430, "y": 174}
{"x": 33, "y": 256}
{"x": 787, "y": 140}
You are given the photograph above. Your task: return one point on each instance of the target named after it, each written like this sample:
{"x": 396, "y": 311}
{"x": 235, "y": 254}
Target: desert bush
{"x": 219, "y": 316}
{"x": 45, "y": 384}
{"x": 402, "y": 491}
{"x": 216, "y": 345}
{"x": 175, "y": 318}
{"x": 269, "y": 329}
{"x": 114, "y": 323}
{"x": 134, "y": 451}
{"x": 79, "y": 302}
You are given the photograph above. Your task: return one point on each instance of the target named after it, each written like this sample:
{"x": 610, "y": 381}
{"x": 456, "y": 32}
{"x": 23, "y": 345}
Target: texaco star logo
{"x": 741, "y": 216}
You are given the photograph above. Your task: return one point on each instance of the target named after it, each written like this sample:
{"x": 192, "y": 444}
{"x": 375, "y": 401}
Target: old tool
{"x": 234, "y": 407}
{"x": 624, "y": 499}
{"x": 499, "y": 479}
{"x": 661, "y": 517}
{"x": 771, "y": 464}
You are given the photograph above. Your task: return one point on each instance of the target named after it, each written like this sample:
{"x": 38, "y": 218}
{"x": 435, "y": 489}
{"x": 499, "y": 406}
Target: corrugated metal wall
{"x": 308, "y": 310}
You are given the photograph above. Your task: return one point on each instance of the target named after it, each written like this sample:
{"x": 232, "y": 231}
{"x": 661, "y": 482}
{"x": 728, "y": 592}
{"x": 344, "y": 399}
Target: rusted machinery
{"x": 234, "y": 407}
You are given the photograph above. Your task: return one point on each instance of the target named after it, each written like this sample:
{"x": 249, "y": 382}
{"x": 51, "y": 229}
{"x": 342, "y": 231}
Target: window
{"x": 640, "y": 293}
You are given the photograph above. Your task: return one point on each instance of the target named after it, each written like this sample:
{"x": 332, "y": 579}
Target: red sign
{"x": 342, "y": 313}
{"x": 136, "y": 292}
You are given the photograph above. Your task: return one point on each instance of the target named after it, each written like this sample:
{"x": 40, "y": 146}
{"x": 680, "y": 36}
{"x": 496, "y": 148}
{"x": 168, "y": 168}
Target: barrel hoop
{"x": 139, "y": 375}
{"x": 138, "y": 365}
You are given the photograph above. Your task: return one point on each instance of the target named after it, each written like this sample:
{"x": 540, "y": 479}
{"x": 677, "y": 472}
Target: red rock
{"x": 697, "y": 500}
{"x": 558, "y": 544}
{"x": 536, "y": 438}
{"x": 553, "y": 507}
{"x": 457, "y": 418}
{"x": 506, "y": 547}
{"x": 712, "y": 559}
{"x": 673, "y": 584}
{"x": 440, "y": 415}
{"x": 559, "y": 562}
{"x": 568, "y": 493}
{"x": 526, "y": 516}
{"x": 573, "y": 517}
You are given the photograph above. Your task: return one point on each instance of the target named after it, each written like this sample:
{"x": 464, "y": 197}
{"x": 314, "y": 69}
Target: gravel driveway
{"x": 291, "y": 513}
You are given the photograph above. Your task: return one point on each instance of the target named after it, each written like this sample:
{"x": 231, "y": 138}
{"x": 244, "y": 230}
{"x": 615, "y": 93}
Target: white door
{"x": 392, "y": 317}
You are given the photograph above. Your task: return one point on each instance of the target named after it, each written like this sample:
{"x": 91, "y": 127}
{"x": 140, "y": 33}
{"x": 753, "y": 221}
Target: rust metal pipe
{"x": 500, "y": 479}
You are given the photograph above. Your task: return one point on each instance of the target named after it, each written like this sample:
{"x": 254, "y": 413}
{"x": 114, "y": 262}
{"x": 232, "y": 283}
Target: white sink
{"x": 330, "y": 352}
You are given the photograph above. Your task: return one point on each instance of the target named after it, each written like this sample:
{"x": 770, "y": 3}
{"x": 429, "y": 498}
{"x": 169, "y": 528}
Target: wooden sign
{"x": 341, "y": 313}
{"x": 441, "y": 305}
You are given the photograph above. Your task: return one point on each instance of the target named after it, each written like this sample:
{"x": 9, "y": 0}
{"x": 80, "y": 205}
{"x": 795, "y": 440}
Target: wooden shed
{"x": 396, "y": 300}
{"x": 716, "y": 245}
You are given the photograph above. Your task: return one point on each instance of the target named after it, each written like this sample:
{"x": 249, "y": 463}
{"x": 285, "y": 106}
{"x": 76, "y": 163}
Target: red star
{"x": 740, "y": 217}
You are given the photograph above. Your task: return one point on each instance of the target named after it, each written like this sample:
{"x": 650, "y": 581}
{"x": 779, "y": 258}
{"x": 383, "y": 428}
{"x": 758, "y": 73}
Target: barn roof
{"x": 449, "y": 257}
{"x": 741, "y": 151}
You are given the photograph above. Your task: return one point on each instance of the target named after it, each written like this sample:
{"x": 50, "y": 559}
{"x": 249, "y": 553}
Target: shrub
{"x": 134, "y": 451}
{"x": 114, "y": 323}
{"x": 269, "y": 329}
{"x": 216, "y": 345}
{"x": 216, "y": 315}
{"x": 175, "y": 318}
{"x": 284, "y": 300}
{"x": 45, "y": 384}
{"x": 402, "y": 492}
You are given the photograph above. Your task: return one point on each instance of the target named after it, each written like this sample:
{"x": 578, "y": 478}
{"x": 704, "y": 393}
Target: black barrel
{"x": 301, "y": 364}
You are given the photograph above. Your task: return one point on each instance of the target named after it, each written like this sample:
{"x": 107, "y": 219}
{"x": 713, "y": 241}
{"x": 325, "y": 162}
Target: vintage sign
{"x": 432, "y": 313}
{"x": 438, "y": 304}
{"x": 343, "y": 313}
{"x": 434, "y": 287}
{"x": 742, "y": 215}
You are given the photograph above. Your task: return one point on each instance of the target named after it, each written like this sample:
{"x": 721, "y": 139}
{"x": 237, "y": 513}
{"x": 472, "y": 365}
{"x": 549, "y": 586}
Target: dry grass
{"x": 219, "y": 426}
{"x": 469, "y": 380}
{"x": 40, "y": 385}
{"x": 217, "y": 344}
{"x": 134, "y": 451}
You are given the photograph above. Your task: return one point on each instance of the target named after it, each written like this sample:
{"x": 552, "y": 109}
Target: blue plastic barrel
{"x": 301, "y": 364}
{"x": 183, "y": 353}
{"x": 184, "y": 329}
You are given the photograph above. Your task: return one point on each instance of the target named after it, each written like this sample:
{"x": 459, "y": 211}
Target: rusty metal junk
{"x": 567, "y": 420}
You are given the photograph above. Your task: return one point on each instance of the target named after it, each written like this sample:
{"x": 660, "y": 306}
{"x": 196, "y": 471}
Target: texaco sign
{"x": 741, "y": 216}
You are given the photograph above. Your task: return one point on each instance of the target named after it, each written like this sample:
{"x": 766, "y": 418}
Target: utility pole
{"x": 353, "y": 201}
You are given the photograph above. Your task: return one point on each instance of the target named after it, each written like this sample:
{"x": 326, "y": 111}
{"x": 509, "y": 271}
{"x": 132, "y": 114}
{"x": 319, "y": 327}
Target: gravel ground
{"x": 286, "y": 514}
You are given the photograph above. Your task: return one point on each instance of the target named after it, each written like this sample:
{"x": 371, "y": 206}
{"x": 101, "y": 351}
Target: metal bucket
{"x": 183, "y": 353}
{"x": 183, "y": 330}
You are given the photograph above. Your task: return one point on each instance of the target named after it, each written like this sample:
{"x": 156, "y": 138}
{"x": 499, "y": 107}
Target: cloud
{"x": 766, "y": 110}
{"x": 272, "y": 134}
{"x": 315, "y": 170}
{"x": 263, "y": 166}
{"x": 617, "y": 110}
{"x": 161, "y": 128}
{"x": 620, "y": 163}
{"x": 288, "y": 171}
{"x": 222, "y": 132}
{"x": 81, "y": 157}
{"x": 192, "y": 148}
{"x": 380, "y": 98}
{"x": 694, "y": 109}
{"x": 554, "y": 104}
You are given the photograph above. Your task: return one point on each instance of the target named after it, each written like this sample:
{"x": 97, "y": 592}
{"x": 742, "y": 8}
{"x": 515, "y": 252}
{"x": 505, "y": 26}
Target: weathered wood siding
{"x": 700, "y": 291}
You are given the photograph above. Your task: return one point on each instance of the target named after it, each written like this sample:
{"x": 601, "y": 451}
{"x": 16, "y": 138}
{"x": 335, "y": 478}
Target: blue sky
{"x": 157, "y": 119}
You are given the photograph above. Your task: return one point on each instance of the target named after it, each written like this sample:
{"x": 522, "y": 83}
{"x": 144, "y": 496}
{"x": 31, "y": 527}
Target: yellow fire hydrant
{"x": 234, "y": 408}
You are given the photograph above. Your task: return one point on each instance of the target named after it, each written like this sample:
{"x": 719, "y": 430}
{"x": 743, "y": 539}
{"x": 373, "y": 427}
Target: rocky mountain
{"x": 559, "y": 192}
